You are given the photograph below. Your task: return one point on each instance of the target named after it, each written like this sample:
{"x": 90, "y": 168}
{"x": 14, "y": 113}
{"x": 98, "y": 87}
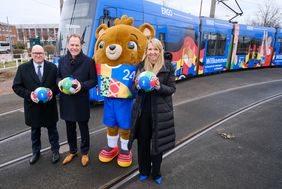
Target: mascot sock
{"x": 112, "y": 141}
{"x": 124, "y": 144}
{"x": 124, "y": 136}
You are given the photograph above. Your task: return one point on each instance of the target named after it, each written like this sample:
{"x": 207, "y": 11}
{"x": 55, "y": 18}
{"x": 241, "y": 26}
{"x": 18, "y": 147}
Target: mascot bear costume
{"x": 118, "y": 51}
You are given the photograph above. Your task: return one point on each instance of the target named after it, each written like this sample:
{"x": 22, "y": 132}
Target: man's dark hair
{"x": 168, "y": 56}
{"x": 74, "y": 35}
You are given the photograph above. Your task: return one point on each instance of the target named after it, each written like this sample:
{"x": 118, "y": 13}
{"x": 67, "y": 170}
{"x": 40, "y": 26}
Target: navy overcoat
{"x": 76, "y": 107}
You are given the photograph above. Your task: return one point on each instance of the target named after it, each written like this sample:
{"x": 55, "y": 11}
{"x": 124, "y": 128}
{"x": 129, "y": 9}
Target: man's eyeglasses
{"x": 37, "y": 53}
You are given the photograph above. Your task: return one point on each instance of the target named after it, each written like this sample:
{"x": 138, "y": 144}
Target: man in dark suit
{"x": 75, "y": 108}
{"x": 31, "y": 75}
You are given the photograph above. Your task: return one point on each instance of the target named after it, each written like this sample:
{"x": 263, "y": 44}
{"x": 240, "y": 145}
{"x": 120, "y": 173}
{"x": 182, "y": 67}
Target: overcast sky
{"x": 48, "y": 11}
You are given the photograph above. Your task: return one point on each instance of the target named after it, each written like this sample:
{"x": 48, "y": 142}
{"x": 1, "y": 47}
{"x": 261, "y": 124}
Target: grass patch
{"x": 8, "y": 64}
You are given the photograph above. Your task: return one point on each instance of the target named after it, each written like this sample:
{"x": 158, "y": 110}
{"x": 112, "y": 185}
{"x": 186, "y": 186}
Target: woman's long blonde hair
{"x": 160, "y": 62}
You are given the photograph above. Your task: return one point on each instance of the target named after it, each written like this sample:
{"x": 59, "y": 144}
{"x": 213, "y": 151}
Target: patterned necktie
{"x": 39, "y": 73}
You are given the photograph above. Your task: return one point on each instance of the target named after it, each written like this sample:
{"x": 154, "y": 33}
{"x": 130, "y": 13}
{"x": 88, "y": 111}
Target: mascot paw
{"x": 124, "y": 158}
{"x": 108, "y": 154}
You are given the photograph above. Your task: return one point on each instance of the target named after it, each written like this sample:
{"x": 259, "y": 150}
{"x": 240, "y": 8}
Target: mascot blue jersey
{"x": 116, "y": 82}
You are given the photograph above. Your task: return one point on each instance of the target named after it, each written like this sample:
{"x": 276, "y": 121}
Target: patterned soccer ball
{"x": 146, "y": 81}
{"x": 68, "y": 85}
{"x": 42, "y": 94}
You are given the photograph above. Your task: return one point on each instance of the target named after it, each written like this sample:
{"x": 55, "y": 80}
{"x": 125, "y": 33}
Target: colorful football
{"x": 146, "y": 81}
{"x": 69, "y": 85}
{"x": 42, "y": 94}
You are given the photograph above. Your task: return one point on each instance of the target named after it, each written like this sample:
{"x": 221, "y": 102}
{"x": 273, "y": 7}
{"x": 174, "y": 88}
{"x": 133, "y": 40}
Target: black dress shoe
{"x": 55, "y": 157}
{"x": 34, "y": 158}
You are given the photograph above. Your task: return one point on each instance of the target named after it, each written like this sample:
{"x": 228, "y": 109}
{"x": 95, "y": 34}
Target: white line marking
{"x": 225, "y": 91}
{"x": 12, "y": 111}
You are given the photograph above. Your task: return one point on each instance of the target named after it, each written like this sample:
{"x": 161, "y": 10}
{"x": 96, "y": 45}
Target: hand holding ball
{"x": 69, "y": 85}
{"x": 146, "y": 81}
{"x": 41, "y": 94}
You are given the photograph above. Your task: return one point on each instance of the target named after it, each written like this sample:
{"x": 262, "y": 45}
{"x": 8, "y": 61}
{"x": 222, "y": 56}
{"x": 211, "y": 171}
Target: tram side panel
{"x": 178, "y": 32}
{"x": 216, "y": 39}
{"x": 252, "y": 47}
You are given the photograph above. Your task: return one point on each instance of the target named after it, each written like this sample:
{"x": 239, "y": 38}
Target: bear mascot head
{"x": 122, "y": 43}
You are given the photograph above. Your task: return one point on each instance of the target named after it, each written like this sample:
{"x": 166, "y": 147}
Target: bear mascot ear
{"x": 147, "y": 30}
{"x": 100, "y": 30}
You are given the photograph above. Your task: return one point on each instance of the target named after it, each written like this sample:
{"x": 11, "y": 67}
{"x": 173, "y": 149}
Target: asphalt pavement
{"x": 244, "y": 105}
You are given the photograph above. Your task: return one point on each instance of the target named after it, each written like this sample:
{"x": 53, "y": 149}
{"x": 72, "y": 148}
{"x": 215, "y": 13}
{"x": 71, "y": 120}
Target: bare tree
{"x": 269, "y": 15}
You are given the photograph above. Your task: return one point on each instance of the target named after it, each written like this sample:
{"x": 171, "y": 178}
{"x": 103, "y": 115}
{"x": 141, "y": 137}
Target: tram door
{"x": 277, "y": 57}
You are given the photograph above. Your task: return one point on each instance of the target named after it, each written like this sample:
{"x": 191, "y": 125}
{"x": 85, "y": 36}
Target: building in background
{"x": 8, "y": 33}
{"x": 29, "y": 34}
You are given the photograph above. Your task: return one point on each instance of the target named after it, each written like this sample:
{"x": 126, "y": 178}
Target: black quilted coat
{"x": 163, "y": 132}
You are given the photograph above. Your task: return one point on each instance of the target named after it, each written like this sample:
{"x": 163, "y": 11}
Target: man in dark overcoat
{"x": 75, "y": 108}
{"x": 31, "y": 75}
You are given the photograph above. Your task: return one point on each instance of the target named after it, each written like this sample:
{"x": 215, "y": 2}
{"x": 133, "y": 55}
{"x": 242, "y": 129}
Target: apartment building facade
{"x": 46, "y": 33}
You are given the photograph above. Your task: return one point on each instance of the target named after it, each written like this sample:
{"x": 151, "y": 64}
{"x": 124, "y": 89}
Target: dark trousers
{"x": 52, "y": 135}
{"x": 146, "y": 161}
{"x": 72, "y": 137}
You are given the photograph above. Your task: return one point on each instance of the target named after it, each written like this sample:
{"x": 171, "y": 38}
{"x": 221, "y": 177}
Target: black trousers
{"x": 52, "y": 135}
{"x": 147, "y": 163}
{"x": 72, "y": 137}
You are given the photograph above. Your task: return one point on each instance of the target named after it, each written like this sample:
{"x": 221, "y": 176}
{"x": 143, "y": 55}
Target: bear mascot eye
{"x": 101, "y": 44}
{"x": 132, "y": 45}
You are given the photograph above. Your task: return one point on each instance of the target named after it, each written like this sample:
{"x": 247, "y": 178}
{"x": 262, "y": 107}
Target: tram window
{"x": 191, "y": 33}
{"x": 109, "y": 21}
{"x": 221, "y": 43}
{"x": 162, "y": 39}
{"x": 254, "y": 47}
{"x": 175, "y": 37}
{"x": 216, "y": 44}
{"x": 243, "y": 45}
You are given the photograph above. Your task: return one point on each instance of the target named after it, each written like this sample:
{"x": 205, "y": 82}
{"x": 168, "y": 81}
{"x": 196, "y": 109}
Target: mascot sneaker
{"x": 108, "y": 154}
{"x": 124, "y": 158}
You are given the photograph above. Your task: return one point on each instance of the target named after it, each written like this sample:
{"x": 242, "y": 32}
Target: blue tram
{"x": 199, "y": 45}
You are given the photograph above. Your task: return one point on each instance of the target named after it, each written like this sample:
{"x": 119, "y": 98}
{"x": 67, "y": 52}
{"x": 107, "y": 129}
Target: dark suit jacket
{"x": 76, "y": 107}
{"x": 26, "y": 81}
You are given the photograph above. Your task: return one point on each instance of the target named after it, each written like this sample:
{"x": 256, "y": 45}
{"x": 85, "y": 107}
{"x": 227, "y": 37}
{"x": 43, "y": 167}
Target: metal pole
{"x": 200, "y": 14}
{"x": 212, "y": 10}
{"x": 61, "y": 5}
{"x": 199, "y": 38}
{"x": 9, "y": 36}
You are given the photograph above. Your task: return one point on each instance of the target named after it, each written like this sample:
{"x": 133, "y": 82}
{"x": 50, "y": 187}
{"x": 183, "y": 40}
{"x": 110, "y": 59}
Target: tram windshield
{"x": 77, "y": 17}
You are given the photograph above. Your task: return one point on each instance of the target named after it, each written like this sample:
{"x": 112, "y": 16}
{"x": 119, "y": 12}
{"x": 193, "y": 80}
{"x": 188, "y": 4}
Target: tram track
{"x": 119, "y": 182}
{"x": 9, "y": 137}
{"x": 21, "y": 158}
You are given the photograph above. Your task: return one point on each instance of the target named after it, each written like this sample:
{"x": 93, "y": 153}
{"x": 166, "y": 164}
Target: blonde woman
{"x": 152, "y": 114}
